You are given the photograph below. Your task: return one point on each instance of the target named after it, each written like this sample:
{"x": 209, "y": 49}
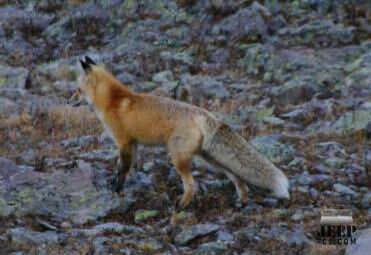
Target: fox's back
{"x": 151, "y": 119}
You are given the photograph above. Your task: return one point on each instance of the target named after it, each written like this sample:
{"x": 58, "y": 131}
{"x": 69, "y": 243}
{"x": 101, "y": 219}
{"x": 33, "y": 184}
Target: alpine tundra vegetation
{"x": 291, "y": 78}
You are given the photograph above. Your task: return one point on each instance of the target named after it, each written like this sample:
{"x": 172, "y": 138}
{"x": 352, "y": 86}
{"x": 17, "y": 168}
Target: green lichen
{"x": 2, "y": 80}
{"x": 142, "y": 215}
{"x": 27, "y": 195}
{"x": 148, "y": 247}
{"x": 262, "y": 114}
{"x": 129, "y": 4}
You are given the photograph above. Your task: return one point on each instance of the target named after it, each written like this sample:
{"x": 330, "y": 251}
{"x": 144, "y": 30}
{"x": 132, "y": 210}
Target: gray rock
{"x": 363, "y": 243}
{"x": 7, "y": 169}
{"x": 358, "y": 80}
{"x": 108, "y": 228}
{"x": 138, "y": 181}
{"x": 294, "y": 91}
{"x": 83, "y": 20}
{"x": 212, "y": 248}
{"x": 298, "y": 215}
{"x": 195, "y": 231}
{"x": 142, "y": 215}
{"x": 313, "y": 193}
{"x": 222, "y": 7}
{"x": 98, "y": 155}
{"x": 295, "y": 238}
{"x": 308, "y": 179}
{"x": 338, "y": 187}
{"x": 126, "y": 78}
{"x": 204, "y": 86}
{"x": 330, "y": 149}
{"x": 303, "y": 73}
{"x": 318, "y": 33}
{"x": 144, "y": 246}
{"x": 162, "y": 77}
{"x": 298, "y": 114}
{"x": 252, "y": 208}
{"x": 7, "y": 105}
{"x": 13, "y": 77}
{"x": 177, "y": 58}
{"x": 225, "y": 236}
{"x": 147, "y": 166}
{"x": 15, "y": 19}
{"x": 274, "y": 121}
{"x": 336, "y": 163}
{"x": 98, "y": 244}
{"x": 64, "y": 195}
{"x": 220, "y": 56}
{"x": 273, "y": 149}
{"x": 82, "y": 141}
{"x": 366, "y": 200}
{"x": 352, "y": 122}
{"x": 25, "y": 236}
{"x": 247, "y": 235}
{"x": 246, "y": 24}
{"x": 271, "y": 202}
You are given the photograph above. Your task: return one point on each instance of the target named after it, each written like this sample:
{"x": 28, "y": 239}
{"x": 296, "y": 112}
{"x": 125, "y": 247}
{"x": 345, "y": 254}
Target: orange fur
{"x": 186, "y": 130}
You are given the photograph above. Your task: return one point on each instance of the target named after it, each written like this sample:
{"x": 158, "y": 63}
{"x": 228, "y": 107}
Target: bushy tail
{"x": 234, "y": 153}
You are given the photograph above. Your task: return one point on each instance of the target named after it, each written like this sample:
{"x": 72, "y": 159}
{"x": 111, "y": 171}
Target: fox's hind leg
{"x": 241, "y": 186}
{"x": 182, "y": 147}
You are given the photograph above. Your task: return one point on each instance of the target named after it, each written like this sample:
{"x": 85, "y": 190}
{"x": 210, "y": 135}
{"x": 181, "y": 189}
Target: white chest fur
{"x": 106, "y": 127}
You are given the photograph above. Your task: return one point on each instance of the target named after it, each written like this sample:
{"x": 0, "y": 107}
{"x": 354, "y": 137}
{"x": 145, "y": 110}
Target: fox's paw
{"x": 117, "y": 183}
{"x": 242, "y": 202}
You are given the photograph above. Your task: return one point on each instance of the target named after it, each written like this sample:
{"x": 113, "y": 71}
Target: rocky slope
{"x": 294, "y": 77}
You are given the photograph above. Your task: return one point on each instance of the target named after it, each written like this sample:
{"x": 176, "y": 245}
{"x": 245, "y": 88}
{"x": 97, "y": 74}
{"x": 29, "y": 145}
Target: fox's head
{"x": 97, "y": 86}
{"x": 86, "y": 84}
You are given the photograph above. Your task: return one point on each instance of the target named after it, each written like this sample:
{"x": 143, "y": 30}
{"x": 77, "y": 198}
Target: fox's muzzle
{"x": 75, "y": 99}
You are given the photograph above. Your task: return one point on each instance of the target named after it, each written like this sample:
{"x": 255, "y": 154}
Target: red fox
{"x": 186, "y": 130}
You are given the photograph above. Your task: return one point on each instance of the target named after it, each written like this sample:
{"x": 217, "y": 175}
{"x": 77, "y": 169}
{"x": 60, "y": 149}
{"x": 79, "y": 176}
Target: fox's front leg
{"x": 126, "y": 159}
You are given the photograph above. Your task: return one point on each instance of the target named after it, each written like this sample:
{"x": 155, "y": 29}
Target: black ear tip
{"x": 89, "y": 60}
{"x": 85, "y": 65}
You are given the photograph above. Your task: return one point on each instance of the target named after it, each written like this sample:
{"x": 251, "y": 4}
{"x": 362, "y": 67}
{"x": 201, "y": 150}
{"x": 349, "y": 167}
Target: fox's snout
{"x": 76, "y": 98}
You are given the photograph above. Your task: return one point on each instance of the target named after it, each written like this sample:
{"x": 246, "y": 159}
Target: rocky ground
{"x": 294, "y": 77}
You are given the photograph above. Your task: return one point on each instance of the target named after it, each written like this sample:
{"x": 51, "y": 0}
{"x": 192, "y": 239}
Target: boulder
{"x": 195, "y": 231}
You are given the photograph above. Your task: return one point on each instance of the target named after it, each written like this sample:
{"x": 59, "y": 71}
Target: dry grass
{"x": 44, "y": 130}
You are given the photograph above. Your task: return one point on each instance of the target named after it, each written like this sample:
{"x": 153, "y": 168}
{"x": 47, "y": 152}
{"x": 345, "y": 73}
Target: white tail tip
{"x": 281, "y": 185}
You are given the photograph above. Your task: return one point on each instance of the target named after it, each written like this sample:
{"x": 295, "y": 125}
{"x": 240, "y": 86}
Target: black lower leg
{"x": 122, "y": 170}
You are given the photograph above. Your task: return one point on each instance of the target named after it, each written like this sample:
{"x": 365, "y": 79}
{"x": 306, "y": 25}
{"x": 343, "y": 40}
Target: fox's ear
{"x": 89, "y": 61}
{"x": 86, "y": 66}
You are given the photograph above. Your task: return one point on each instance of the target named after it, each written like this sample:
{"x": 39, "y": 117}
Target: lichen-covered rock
{"x": 13, "y": 77}
{"x": 245, "y": 25}
{"x": 211, "y": 248}
{"x": 83, "y": 21}
{"x": 363, "y": 243}
{"x": 273, "y": 149}
{"x": 24, "y": 236}
{"x": 200, "y": 86}
{"x": 344, "y": 189}
{"x": 29, "y": 22}
{"x": 64, "y": 195}
{"x": 352, "y": 122}
{"x": 300, "y": 74}
{"x": 366, "y": 200}
{"x": 359, "y": 76}
{"x": 142, "y": 215}
{"x": 294, "y": 92}
{"x": 318, "y": 33}
{"x": 195, "y": 231}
